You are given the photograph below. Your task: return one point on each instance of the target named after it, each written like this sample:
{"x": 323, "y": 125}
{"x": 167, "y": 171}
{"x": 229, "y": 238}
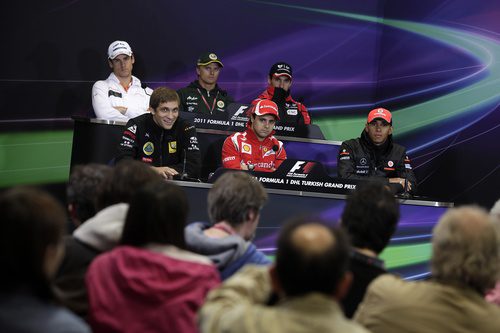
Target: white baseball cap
{"x": 118, "y": 47}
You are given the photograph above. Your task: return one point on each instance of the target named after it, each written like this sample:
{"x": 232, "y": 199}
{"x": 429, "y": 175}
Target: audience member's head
{"x": 235, "y": 196}
{"x": 157, "y": 214}
{"x": 31, "y": 231}
{"x": 370, "y": 216}
{"x": 465, "y": 249}
{"x": 311, "y": 257}
{"x": 85, "y": 184}
{"x": 495, "y": 210}
{"x": 126, "y": 178}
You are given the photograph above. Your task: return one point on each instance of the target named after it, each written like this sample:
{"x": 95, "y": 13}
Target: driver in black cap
{"x": 204, "y": 95}
{"x": 280, "y": 81}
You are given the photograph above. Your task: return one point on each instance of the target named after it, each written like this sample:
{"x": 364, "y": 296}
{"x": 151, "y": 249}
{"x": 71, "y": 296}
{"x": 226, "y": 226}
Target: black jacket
{"x": 360, "y": 158}
{"x": 195, "y": 98}
{"x": 177, "y": 148}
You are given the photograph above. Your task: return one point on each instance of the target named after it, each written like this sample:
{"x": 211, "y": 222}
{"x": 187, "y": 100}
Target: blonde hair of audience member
{"x": 465, "y": 249}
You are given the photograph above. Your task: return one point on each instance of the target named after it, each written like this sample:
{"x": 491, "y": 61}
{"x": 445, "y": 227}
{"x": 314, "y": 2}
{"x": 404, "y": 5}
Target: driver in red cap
{"x": 374, "y": 154}
{"x": 256, "y": 148}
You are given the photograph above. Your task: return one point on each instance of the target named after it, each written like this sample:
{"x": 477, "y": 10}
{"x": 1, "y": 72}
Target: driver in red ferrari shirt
{"x": 256, "y": 148}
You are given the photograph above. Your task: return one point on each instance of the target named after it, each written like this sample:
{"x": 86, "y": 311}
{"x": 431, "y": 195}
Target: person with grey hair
{"x": 493, "y": 296}
{"x": 234, "y": 204}
{"x": 465, "y": 264}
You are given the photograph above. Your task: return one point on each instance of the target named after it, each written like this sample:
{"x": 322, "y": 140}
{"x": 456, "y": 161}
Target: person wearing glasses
{"x": 375, "y": 155}
{"x": 161, "y": 139}
{"x": 204, "y": 95}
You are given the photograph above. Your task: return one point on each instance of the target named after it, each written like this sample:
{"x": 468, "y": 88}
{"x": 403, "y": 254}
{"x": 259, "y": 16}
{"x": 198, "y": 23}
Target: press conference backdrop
{"x": 435, "y": 64}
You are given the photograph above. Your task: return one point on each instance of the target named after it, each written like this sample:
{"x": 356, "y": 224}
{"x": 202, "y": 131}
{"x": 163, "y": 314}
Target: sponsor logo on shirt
{"x": 133, "y": 128}
{"x": 390, "y": 164}
{"x": 147, "y": 160}
{"x": 363, "y": 161}
{"x": 291, "y": 112}
{"x": 268, "y": 152}
{"x": 246, "y": 148}
{"x": 114, "y": 93}
{"x": 172, "y": 147}
{"x": 220, "y": 104}
{"x": 229, "y": 158}
{"x": 148, "y": 148}
{"x": 192, "y": 98}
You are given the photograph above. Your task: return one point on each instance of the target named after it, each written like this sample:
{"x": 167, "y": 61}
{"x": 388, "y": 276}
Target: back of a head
{"x": 233, "y": 195}
{"x": 311, "y": 257}
{"x": 32, "y": 220}
{"x": 370, "y": 216}
{"x": 127, "y": 176}
{"x": 85, "y": 185}
{"x": 157, "y": 214}
{"x": 465, "y": 249}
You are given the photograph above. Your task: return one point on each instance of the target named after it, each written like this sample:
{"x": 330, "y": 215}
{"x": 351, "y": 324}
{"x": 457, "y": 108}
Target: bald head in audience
{"x": 311, "y": 257}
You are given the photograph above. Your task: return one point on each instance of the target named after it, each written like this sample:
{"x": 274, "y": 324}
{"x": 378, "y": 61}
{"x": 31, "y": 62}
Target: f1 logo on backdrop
{"x": 240, "y": 114}
{"x": 301, "y": 169}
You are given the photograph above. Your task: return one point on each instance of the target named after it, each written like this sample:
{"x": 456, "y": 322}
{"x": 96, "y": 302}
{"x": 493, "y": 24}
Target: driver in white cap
{"x": 121, "y": 96}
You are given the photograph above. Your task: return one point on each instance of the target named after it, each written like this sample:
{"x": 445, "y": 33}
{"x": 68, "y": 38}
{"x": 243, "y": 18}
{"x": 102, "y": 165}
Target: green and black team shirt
{"x": 195, "y": 98}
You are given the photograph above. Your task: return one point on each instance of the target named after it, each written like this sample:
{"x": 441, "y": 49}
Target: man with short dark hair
{"x": 204, "y": 95}
{"x": 234, "y": 204}
{"x": 85, "y": 184}
{"x": 162, "y": 139}
{"x": 310, "y": 276}
{"x": 278, "y": 90}
{"x": 99, "y": 233}
{"x": 370, "y": 218}
{"x": 121, "y": 96}
{"x": 465, "y": 263}
{"x": 256, "y": 148}
{"x": 375, "y": 155}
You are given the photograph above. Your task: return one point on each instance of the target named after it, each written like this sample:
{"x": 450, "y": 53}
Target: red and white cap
{"x": 265, "y": 106}
{"x": 379, "y": 113}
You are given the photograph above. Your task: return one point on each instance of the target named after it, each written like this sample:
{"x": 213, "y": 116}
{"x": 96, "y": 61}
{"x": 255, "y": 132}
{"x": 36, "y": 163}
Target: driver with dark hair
{"x": 375, "y": 155}
{"x": 256, "y": 148}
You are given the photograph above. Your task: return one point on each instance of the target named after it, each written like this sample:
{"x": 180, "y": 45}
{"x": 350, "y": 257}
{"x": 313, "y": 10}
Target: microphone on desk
{"x": 184, "y": 175}
{"x": 405, "y": 194}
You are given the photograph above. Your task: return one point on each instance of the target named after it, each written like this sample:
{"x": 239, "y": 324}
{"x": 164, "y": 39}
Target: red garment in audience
{"x": 148, "y": 290}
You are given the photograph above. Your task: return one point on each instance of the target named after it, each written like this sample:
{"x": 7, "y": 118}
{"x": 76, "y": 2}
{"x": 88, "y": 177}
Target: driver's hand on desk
{"x": 122, "y": 109}
{"x": 166, "y": 172}
{"x": 243, "y": 166}
{"x": 400, "y": 181}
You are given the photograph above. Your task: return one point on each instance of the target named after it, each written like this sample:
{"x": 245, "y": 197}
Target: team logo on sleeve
{"x": 246, "y": 148}
{"x": 172, "y": 147}
{"x": 148, "y": 148}
{"x": 220, "y": 104}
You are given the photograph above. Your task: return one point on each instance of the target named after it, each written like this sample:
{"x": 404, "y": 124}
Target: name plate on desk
{"x": 235, "y": 120}
{"x": 305, "y": 176}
